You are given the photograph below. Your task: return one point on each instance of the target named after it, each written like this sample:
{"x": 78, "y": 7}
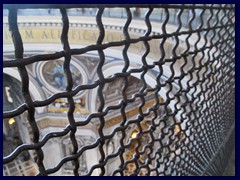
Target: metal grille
{"x": 188, "y": 138}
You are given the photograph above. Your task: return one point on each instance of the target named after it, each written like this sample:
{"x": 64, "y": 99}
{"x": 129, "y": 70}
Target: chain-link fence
{"x": 184, "y": 118}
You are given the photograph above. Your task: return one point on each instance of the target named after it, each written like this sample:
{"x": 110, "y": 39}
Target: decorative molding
{"x": 134, "y": 111}
{"x": 51, "y": 122}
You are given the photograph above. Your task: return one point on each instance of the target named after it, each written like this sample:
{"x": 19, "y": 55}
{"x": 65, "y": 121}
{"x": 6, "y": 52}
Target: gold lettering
{"x": 74, "y": 37}
{"x": 28, "y": 34}
{"x": 59, "y": 33}
{"x": 85, "y": 35}
{"x": 79, "y": 35}
{"x": 109, "y": 37}
{"x": 44, "y": 35}
{"x": 94, "y": 37}
{"x": 53, "y": 34}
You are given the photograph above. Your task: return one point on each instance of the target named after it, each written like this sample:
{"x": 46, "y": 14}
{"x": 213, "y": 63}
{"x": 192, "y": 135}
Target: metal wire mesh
{"x": 190, "y": 138}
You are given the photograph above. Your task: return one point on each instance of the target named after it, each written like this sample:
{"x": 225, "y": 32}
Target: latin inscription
{"x": 80, "y": 37}
{"x": 51, "y": 35}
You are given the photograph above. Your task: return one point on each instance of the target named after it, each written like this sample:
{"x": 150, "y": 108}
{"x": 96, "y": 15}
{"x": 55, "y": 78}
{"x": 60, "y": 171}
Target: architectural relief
{"x": 67, "y": 151}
